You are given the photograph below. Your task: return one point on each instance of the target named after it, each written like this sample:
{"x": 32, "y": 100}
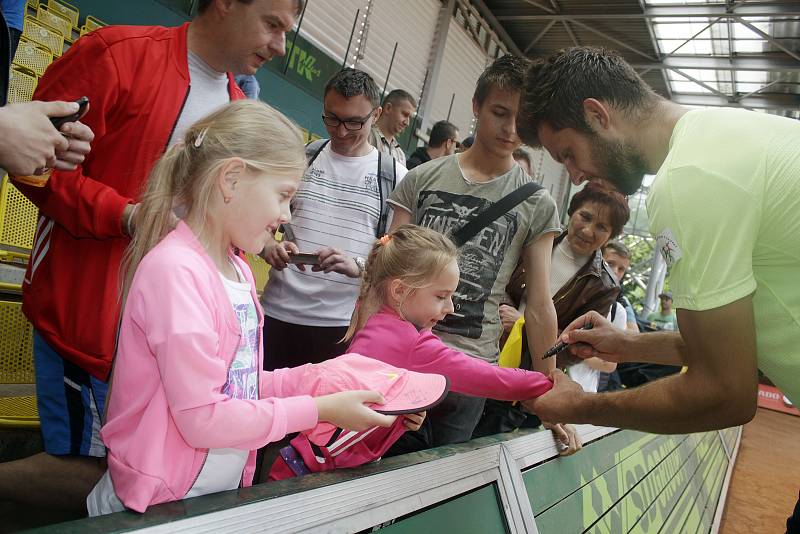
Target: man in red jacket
{"x": 146, "y": 85}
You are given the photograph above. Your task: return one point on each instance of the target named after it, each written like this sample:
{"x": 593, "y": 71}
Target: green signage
{"x": 308, "y": 67}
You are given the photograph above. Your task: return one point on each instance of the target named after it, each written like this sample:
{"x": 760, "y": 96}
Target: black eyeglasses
{"x": 352, "y": 125}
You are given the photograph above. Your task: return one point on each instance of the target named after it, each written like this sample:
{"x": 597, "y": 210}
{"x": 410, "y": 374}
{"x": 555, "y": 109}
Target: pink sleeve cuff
{"x": 301, "y": 413}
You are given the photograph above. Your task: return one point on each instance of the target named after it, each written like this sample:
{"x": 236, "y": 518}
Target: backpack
{"x": 387, "y": 178}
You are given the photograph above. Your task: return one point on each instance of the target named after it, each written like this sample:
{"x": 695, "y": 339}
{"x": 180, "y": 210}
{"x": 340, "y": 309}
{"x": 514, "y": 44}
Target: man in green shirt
{"x": 725, "y": 209}
{"x": 666, "y": 318}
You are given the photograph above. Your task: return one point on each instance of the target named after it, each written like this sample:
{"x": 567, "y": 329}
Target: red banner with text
{"x": 771, "y": 398}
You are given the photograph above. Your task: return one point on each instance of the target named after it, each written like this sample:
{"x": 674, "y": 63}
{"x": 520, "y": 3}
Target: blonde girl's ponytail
{"x": 153, "y": 218}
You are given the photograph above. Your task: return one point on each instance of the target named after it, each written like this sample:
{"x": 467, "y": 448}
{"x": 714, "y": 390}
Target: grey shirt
{"x": 439, "y": 196}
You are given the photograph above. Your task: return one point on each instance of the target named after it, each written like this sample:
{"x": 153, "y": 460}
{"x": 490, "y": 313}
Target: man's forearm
{"x": 665, "y": 348}
{"x": 541, "y": 327}
{"x": 672, "y": 405}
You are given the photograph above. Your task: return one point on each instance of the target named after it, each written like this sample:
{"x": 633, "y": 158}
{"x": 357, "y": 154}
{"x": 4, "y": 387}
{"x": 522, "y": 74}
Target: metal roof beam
{"x": 684, "y": 11}
{"x": 755, "y": 101}
{"x": 539, "y": 36}
{"x": 759, "y": 63}
{"x": 496, "y": 27}
{"x": 718, "y": 10}
{"x": 654, "y": 42}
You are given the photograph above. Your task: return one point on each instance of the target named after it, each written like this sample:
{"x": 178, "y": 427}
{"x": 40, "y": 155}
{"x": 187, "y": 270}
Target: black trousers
{"x": 290, "y": 345}
{"x": 452, "y": 421}
{"x": 793, "y": 523}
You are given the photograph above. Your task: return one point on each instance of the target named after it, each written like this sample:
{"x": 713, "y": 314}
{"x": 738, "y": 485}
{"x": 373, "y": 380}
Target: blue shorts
{"x": 71, "y": 403}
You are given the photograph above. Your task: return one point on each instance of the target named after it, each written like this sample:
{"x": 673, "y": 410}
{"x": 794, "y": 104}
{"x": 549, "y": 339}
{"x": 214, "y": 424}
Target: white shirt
{"x": 208, "y": 91}
{"x": 564, "y": 264}
{"x": 338, "y": 204}
{"x": 584, "y": 375}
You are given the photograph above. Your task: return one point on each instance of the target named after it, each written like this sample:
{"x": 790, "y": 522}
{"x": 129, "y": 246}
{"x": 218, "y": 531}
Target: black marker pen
{"x": 558, "y": 347}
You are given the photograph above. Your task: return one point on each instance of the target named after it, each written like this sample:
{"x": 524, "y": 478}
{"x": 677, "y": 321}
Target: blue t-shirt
{"x": 14, "y": 12}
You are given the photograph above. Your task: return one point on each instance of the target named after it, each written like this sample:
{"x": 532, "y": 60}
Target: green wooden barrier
{"x": 622, "y": 482}
{"x": 477, "y": 512}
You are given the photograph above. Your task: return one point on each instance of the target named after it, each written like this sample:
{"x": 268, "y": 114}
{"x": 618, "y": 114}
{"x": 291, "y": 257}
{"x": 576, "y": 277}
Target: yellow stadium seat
{"x": 16, "y": 345}
{"x": 56, "y": 20}
{"x": 33, "y": 56}
{"x": 22, "y": 82}
{"x": 260, "y": 270}
{"x": 44, "y": 34}
{"x": 92, "y": 23}
{"x": 19, "y": 412}
{"x": 66, "y": 10}
{"x": 18, "y": 217}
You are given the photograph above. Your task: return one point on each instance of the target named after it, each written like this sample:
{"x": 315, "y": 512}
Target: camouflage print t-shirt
{"x": 439, "y": 196}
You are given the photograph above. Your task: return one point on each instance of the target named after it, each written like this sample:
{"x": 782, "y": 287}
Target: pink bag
{"x": 326, "y": 447}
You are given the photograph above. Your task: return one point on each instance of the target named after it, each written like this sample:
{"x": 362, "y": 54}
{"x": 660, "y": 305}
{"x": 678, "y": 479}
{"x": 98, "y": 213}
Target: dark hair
{"x": 615, "y": 203}
{"x": 521, "y": 153}
{"x": 507, "y": 72}
{"x": 617, "y": 248}
{"x": 203, "y": 5}
{"x": 556, "y": 87}
{"x": 467, "y": 142}
{"x": 397, "y": 96}
{"x": 350, "y": 82}
{"x": 441, "y": 132}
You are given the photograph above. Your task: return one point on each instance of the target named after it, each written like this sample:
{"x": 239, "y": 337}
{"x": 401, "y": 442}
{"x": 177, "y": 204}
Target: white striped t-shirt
{"x": 337, "y": 205}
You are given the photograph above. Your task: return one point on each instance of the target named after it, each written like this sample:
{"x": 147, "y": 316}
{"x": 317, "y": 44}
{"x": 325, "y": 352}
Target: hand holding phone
{"x": 304, "y": 258}
{"x": 83, "y": 107}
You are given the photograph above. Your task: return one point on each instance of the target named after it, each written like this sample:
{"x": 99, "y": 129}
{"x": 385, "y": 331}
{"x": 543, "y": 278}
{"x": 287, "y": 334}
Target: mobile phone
{"x": 83, "y": 104}
{"x": 304, "y": 258}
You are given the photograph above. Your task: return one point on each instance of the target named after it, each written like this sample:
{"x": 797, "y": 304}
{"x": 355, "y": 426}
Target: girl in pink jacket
{"x": 188, "y": 403}
{"x": 409, "y": 280}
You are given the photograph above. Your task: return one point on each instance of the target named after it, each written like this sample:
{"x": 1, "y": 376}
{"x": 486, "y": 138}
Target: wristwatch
{"x": 361, "y": 263}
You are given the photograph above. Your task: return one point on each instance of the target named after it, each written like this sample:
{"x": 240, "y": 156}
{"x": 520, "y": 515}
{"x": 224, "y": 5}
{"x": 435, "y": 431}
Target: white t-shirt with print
{"x": 223, "y": 468}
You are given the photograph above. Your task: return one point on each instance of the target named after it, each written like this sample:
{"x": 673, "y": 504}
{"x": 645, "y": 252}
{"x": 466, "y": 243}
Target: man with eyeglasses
{"x": 338, "y": 211}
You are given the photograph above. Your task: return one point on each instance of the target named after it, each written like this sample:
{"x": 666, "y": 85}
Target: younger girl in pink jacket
{"x": 188, "y": 403}
{"x": 409, "y": 280}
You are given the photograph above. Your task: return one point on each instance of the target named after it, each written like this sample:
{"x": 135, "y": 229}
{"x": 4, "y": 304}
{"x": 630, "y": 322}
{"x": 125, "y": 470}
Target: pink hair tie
{"x": 385, "y": 239}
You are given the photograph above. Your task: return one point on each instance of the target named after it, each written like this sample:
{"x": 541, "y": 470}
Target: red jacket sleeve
{"x": 86, "y": 206}
{"x": 473, "y": 376}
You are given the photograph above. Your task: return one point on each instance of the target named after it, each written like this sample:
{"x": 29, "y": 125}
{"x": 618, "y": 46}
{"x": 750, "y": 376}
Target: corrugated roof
{"x": 696, "y": 52}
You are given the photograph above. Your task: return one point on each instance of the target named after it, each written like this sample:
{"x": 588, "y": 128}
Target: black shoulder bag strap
{"x": 314, "y": 148}
{"x": 493, "y": 212}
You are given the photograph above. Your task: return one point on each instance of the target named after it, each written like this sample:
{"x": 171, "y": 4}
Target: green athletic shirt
{"x": 725, "y": 209}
